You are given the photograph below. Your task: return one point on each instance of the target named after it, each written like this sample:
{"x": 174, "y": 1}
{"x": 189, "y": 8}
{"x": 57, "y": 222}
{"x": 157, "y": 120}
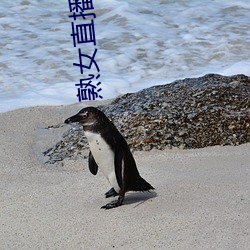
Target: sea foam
{"x": 139, "y": 44}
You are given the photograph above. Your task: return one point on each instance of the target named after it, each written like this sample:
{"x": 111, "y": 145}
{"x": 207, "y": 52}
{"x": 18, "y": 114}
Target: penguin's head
{"x": 88, "y": 117}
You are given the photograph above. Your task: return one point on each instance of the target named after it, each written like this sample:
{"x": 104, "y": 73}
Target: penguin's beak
{"x": 74, "y": 118}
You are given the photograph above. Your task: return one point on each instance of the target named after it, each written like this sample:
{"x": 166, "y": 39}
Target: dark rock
{"x": 190, "y": 113}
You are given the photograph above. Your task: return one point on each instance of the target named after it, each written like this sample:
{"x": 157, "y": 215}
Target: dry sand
{"x": 201, "y": 201}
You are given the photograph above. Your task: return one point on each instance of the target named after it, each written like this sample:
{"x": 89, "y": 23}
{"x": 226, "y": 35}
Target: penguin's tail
{"x": 141, "y": 185}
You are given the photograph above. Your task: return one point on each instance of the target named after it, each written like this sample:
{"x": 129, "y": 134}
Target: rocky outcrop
{"x": 190, "y": 113}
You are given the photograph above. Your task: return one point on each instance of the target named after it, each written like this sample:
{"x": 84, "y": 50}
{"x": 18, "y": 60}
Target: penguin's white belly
{"x": 104, "y": 157}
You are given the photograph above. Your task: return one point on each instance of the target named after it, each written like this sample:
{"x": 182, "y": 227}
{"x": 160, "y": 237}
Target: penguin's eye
{"x": 84, "y": 115}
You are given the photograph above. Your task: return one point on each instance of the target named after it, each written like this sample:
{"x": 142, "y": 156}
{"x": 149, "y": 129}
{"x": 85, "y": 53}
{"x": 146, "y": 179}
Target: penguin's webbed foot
{"x": 111, "y": 193}
{"x": 113, "y": 204}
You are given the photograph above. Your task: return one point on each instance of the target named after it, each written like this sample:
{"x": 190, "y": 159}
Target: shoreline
{"x": 201, "y": 198}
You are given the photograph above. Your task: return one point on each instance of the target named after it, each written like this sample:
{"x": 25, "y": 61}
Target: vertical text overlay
{"x": 89, "y": 86}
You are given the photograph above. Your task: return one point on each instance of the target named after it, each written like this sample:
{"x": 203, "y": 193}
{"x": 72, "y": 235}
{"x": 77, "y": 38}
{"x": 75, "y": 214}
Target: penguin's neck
{"x": 93, "y": 128}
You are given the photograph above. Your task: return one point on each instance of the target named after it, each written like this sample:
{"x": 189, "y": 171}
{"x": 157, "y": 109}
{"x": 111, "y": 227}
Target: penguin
{"x": 110, "y": 152}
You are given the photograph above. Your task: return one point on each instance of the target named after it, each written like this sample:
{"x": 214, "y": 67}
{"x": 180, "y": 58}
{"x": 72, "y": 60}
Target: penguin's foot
{"x": 113, "y": 204}
{"x": 111, "y": 193}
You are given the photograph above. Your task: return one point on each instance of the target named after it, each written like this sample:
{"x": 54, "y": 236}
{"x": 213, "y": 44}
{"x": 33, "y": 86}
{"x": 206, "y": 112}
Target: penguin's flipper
{"x": 93, "y": 167}
{"x": 118, "y": 166}
{"x": 115, "y": 203}
{"x": 111, "y": 193}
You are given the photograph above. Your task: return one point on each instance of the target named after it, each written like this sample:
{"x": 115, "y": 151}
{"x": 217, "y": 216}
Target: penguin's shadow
{"x": 137, "y": 198}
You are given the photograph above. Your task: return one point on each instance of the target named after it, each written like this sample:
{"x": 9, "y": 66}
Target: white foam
{"x": 139, "y": 45}
{"x": 242, "y": 67}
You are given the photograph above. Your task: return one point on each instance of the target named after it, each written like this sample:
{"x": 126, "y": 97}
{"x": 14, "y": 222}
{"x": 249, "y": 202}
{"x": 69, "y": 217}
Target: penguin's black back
{"x": 132, "y": 180}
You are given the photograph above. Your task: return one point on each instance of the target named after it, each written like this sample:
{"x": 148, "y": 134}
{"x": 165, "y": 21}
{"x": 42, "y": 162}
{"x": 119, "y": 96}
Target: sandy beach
{"x": 201, "y": 198}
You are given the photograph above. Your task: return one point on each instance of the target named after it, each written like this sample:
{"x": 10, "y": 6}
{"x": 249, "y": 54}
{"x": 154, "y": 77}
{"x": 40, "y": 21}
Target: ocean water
{"x": 140, "y": 44}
